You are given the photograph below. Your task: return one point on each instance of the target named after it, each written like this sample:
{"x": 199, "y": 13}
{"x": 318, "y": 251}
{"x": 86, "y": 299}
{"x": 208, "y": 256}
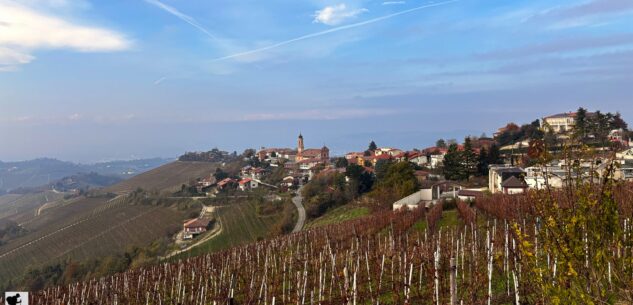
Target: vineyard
{"x": 22, "y": 208}
{"x": 92, "y": 228}
{"x": 240, "y": 224}
{"x": 168, "y": 177}
{"x": 485, "y": 259}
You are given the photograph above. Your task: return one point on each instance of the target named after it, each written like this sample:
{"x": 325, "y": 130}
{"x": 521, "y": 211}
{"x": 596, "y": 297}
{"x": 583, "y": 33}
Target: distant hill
{"x": 55, "y": 228}
{"x": 39, "y": 172}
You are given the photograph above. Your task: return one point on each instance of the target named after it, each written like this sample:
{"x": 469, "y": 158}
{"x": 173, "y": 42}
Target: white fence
{"x": 412, "y": 201}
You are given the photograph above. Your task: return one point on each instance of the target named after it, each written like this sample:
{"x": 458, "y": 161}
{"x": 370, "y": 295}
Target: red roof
{"x": 225, "y": 181}
{"x": 414, "y": 154}
{"x": 197, "y": 223}
{"x": 383, "y": 157}
{"x": 245, "y": 180}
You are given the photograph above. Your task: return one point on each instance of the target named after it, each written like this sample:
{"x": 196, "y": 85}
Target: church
{"x": 298, "y": 155}
{"x": 314, "y": 154}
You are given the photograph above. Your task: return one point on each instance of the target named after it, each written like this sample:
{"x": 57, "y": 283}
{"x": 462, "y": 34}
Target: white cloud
{"x": 336, "y": 14}
{"x": 394, "y": 2}
{"x": 9, "y": 57}
{"x": 24, "y": 30}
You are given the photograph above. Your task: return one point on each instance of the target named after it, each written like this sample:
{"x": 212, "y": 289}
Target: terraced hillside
{"x": 91, "y": 228}
{"x": 167, "y": 177}
{"x": 240, "y": 224}
{"x": 23, "y": 208}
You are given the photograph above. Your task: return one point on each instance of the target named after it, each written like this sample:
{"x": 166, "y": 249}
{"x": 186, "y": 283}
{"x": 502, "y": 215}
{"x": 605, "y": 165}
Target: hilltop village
{"x": 214, "y": 200}
{"x": 504, "y": 163}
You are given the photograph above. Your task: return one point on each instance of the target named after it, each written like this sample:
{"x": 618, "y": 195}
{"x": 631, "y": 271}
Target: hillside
{"x": 167, "y": 177}
{"x": 470, "y": 254}
{"x": 38, "y": 172}
{"x": 56, "y": 229}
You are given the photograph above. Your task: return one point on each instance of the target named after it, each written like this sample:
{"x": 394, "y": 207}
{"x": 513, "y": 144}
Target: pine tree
{"x": 453, "y": 164}
{"x": 372, "y": 146}
{"x": 483, "y": 162}
{"x": 469, "y": 159}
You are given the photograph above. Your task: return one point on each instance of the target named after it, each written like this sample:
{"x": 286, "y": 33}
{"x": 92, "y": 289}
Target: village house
{"x": 421, "y": 176}
{"x": 514, "y": 185}
{"x": 417, "y": 158}
{"x": 289, "y": 181}
{"x": 275, "y": 155}
{"x": 194, "y": 227}
{"x": 498, "y": 174}
{"x": 256, "y": 173}
{"x": 539, "y": 177}
{"x": 226, "y": 183}
{"x": 560, "y": 123}
{"x": 248, "y": 184}
{"x": 388, "y": 151}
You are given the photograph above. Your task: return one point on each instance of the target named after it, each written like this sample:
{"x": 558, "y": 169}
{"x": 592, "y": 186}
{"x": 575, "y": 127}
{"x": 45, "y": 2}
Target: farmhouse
{"x": 194, "y": 227}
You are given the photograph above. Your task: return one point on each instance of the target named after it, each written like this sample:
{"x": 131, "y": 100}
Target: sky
{"x": 91, "y": 81}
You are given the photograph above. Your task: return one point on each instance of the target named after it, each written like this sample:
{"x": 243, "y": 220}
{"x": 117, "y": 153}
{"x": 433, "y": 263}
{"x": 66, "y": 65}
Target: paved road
{"x": 298, "y": 201}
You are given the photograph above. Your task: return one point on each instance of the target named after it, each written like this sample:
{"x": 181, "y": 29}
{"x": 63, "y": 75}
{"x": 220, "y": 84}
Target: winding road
{"x": 298, "y": 201}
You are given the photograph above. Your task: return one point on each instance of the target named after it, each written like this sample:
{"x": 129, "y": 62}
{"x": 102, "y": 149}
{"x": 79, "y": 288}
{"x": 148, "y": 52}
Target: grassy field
{"x": 240, "y": 225}
{"x": 168, "y": 177}
{"x": 339, "y": 214}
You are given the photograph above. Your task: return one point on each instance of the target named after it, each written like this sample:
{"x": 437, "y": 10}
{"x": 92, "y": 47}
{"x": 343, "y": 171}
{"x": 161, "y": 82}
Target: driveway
{"x": 298, "y": 201}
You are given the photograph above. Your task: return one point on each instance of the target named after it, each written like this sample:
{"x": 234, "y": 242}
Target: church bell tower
{"x": 300, "y": 145}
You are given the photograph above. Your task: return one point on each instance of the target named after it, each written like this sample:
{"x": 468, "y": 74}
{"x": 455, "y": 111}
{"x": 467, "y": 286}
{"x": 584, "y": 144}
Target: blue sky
{"x": 97, "y": 80}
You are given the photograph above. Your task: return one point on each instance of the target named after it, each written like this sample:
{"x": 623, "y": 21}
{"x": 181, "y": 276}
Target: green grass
{"x": 419, "y": 226}
{"x": 450, "y": 219}
{"x": 339, "y": 214}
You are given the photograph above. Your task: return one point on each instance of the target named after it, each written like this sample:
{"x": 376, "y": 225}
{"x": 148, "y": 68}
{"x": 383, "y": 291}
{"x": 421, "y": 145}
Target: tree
{"x": 372, "y": 146}
{"x": 249, "y": 153}
{"x": 494, "y": 155}
{"x": 360, "y": 178}
{"x": 398, "y": 182}
{"x": 220, "y": 174}
{"x": 483, "y": 162}
{"x": 381, "y": 168}
{"x": 618, "y": 122}
{"x": 441, "y": 143}
{"x": 341, "y": 162}
{"x": 469, "y": 159}
{"x": 580, "y": 129}
{"x": 453, "y": 164}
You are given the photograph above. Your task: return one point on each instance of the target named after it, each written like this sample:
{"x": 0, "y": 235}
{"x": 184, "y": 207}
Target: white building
{"x": 498, "y": 174}
{"x": 538, "y": 177}
{"x": 560, "y": 123}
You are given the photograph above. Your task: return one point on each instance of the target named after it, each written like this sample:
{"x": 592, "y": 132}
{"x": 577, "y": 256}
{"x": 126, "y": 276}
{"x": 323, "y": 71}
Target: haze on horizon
{"x": 93, "y": 80}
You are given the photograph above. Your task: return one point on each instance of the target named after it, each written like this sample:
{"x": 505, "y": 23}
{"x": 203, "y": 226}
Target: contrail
{"x": 182, "y": 16}
{"x": 332, "y": 30}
